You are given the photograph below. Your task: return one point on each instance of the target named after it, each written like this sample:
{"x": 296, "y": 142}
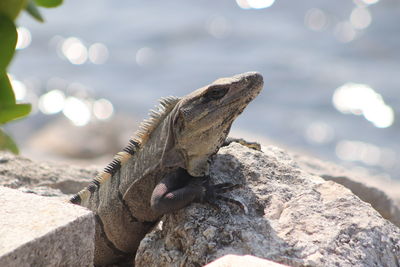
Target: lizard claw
{"x": 213, "y": 192}
{"x": 234, "y": 202}
{"x": 226, "y": 187}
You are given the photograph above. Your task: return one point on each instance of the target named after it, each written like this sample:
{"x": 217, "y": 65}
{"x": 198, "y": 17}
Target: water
{"x": 304, "y": 49}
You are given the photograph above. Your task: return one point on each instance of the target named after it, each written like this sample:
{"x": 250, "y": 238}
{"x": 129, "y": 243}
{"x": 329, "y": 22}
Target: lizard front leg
{"x": 176, "y": 190}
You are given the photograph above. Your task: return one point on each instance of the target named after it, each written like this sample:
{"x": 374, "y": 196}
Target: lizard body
{"x": 163, "y": 167}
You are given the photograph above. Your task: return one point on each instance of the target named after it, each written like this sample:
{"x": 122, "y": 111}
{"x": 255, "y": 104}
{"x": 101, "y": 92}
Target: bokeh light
{"x": 370, "y": 2}
{"x": 103, "y": 109}
{"x": 98, "y": 53}
{"x": 361, "y": 99}
{"x": 52, "y": 102}
{"x": 360, "y": 18}
{"x": 319, "y": 132}
{"x": 24, "y": 38}
{"x": 345, "y": 32}
{"x": 74, "y": 50}
{"x": 77, "y": 111}
{"x": 369, "y": 154}
{"x": 255, "y": 4}
{"x": 218, "y": 27}
{"x": 316, "y": 19}
{"x": 19, "y": 89}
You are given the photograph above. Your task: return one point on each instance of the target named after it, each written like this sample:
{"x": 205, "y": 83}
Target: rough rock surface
{"x": 294, "y": 218}
{"x": 380, "y": 193}
{"x": 39, "y": 231}
{"x": 240, "y": 261}
{"x": 43, "y": 178}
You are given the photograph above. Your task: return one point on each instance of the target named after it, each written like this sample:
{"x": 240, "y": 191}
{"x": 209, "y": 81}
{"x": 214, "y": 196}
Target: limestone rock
{"x": 43, "y": 178}
{"x": 294, "y": 218}
{"x": 39, "y": 231}
{"x": 239, "y": 261}
{"x": 380, "y": 193}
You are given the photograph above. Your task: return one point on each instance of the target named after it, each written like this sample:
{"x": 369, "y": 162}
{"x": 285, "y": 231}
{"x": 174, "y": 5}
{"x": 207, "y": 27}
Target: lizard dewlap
{"x": 165, "y": 165}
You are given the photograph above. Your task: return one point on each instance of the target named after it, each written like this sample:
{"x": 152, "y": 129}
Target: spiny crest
{"x": 156, "y": 116}
{"x": 119, "y": 159}
{"x": 135, "y": 143}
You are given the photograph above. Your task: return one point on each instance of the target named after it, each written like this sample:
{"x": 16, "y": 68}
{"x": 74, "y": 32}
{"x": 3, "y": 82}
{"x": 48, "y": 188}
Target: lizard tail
{"x": 119, "y": 159}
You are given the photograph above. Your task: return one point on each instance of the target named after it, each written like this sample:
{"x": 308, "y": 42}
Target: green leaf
{"x": 9, "y": 113}
{"x": 11, "y": 8}
{"x": 9, "y": 110}
{"x": 32, "y": 10}
{"x": 8, "y": 37}
{"x": 7, "y": 97}
{"x": 48, "y": 3}
{"x": 7, "y": 143}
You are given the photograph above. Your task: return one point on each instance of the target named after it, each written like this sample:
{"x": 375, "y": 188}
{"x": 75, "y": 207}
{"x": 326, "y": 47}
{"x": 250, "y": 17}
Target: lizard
{"x": 165, "y": 165}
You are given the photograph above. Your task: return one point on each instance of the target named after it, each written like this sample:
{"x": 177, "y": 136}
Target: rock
{"x": 239, "y": 261}
{"x": 380, "y": 193}
{"x": 294, "y": 218}
{"x": 39, "y": 231}
{"x": 43, "y": 178}
{"x": 62, "y": 140}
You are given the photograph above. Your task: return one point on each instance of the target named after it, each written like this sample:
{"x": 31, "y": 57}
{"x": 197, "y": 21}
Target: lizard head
{"x": 203, "y": 118}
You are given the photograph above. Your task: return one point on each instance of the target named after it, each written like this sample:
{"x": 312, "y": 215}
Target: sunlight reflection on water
{"x": 360, "y": 99}
{"x": 365, "y": 2}
{"x": 77, "y": 111}
{"x": 19, "y": 89}
{"x": 103, "y": 109}
{"x": 218, "y": 27}
{"x": 360, "y": 18}
{"x": 255, "y": 4}
{"x": 52, "y": 102}
{"x": 74, "y": 100}
{"x": 366, "y": 153}
{"x": 98, "y": 53}
{"x": 316, "y": 19}
{"x": 74, "y": 50}
{"x": 319, "y": 132}
{"x": 345, "y": 32}
{"x": 24, "y": 38}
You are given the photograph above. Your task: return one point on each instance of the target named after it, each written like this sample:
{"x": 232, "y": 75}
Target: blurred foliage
{"x": 9, "y": 109}
{"x": 7, "y": 143}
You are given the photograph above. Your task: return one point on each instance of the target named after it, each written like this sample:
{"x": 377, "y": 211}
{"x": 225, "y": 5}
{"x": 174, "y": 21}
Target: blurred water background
{"x": 331, "y": 70}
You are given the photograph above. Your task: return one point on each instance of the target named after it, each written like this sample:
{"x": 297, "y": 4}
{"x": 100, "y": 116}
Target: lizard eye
{"x": 215, "y": 93}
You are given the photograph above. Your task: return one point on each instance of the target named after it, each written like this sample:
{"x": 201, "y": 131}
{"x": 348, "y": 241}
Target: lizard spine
{"x": 136, "y": 142}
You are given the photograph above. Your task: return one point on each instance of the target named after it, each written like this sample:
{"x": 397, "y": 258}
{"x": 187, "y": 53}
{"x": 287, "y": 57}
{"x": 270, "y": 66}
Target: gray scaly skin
{"x": 165, "y": 166}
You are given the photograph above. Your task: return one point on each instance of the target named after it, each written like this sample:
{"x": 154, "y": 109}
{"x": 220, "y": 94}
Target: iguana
{"x": 165, "y": 166}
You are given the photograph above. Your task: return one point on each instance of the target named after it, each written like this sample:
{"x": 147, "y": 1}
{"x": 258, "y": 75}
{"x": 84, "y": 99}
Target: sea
{"x": 331, "y": 68}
